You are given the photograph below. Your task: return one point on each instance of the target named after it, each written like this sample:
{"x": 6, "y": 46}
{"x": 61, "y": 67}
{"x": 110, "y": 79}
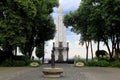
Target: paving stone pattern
{"x": 70, "y": 73}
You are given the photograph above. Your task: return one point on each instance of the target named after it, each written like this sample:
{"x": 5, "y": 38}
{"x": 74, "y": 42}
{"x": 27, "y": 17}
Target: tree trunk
{"x": 43, "y": 45}
{"x": 98, "y": 46}
{"x": 87, "y": 46}
{"x": 110, "y": 54}
{"x": 8, "y": 51}
{"x": 15, "y": 51}
{"x": 113, "y": 44}
{"x": 91, "y": 49}
{"x": 31, "y": 47}
{"x": 117, "y": 49}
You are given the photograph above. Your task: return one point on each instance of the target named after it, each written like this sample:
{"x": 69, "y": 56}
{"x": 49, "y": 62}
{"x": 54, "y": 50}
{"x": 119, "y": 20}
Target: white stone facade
{"x": 60, "y": 37}
{"x": 60, "y": 31}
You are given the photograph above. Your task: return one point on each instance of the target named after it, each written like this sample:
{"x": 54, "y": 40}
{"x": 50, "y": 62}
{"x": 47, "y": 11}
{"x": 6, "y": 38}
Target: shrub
{"x": 91, "y": 63}
{"x": 78, "y": 59}
{"x": 22, "y": 58}
{"x": 19, "y": 63}
{"x": 102, "y": 63}
{"x": 105, "y": 58}
{"x": 8, "y": 63}
{"x": 115, "y": 64}
{"x": 36, "y": 61}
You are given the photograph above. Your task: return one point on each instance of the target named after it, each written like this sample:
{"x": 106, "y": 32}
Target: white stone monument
{"x": 60, "y": 46}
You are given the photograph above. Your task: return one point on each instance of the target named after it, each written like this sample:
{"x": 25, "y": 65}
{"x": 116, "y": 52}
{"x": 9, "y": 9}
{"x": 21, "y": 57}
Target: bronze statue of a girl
{"x": 52, "y": 59}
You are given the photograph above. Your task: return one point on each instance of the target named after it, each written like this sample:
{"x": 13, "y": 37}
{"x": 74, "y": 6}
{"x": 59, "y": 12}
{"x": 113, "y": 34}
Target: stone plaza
{"x": 70, "y": 73}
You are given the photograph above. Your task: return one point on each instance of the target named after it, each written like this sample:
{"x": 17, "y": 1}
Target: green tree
{"x": 98, "y": 21}
{"x": 45, "y": 28}
{"x": 11, "y": 22}
{"x": 23, "y": 22}
{"x": 112, "y": 18}
{"x": 41, "y": 26}
{"x": 40, "y": 51}
{"x": 81, "y": 22}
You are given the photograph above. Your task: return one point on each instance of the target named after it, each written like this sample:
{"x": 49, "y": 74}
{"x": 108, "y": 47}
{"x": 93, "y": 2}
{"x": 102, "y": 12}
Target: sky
{"x": 72, "y": 38}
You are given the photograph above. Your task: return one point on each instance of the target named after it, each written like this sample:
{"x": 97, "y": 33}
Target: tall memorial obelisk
{"x": 60, "y": 46}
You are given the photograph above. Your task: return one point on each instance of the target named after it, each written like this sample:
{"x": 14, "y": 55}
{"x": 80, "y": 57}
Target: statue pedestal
{"x": 52, "y": 72}
{"x": 60, "y": 58}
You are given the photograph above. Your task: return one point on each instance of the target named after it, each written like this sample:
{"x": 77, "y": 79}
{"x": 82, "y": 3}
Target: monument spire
{"x": 60, "y": 10}
{"x": 60, "y": 47}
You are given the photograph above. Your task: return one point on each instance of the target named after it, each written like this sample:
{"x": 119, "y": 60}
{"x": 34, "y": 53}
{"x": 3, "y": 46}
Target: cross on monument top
{"x": 60, "y": 10}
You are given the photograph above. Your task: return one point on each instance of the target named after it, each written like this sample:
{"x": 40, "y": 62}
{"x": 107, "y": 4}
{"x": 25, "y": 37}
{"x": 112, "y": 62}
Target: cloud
{"x": 67, "y": 5}
{"x": 72, "y": 38}
{"x": 75, "y": 48}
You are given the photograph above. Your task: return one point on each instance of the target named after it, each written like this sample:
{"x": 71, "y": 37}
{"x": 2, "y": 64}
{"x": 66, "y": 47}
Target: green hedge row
{"x": 103, "y": 63}
{"x": 18, "y": 61}
{"x": 9, "y": 63}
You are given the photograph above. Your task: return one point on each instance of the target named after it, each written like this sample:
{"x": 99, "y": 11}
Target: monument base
{"x": 52, "y": 72}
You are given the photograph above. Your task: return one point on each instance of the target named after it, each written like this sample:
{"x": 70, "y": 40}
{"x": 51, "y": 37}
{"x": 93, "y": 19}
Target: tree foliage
{"x": 97, "y": 20}
{"x": 25, "y": 24}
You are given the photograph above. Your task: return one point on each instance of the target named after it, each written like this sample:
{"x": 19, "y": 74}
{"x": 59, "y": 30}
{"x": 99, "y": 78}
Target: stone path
{"x": 70, "y": 73}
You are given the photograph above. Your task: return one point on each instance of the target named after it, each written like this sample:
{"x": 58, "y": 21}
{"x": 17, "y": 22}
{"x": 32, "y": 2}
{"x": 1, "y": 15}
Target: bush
{"x": 19, "y": 63}
{"x": 102, "y": 63}
{"x": 8, "y": 63}
{"x": 91, "y": 63}
{"x": 105, "y": 58}
{"x": 78, "y": 59}
{"x": 22, "y": 58}
{"x": 115, "y": 64}
{"x": 36, "y": 61}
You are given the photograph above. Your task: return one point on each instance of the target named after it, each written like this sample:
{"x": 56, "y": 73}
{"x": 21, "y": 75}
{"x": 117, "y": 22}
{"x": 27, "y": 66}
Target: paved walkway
{"x": 70, "y": 73}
